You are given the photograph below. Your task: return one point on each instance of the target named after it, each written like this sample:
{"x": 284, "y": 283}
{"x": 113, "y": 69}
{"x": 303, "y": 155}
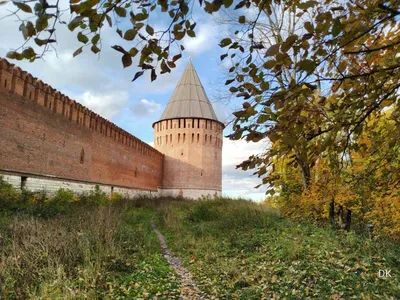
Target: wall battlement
{"x": 16, "y": 81}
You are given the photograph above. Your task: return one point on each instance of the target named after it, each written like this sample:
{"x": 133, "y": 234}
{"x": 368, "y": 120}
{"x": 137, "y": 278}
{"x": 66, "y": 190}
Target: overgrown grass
{"x": 88, "y": 247}
{"x": 94, "y": 247}
{"x": 241, "y": 250}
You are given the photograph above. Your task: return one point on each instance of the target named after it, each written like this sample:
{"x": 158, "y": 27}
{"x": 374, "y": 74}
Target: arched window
{"x": 179, "y": 138}
{"x": 198, "y": 138}
{"x": 184, "y": 137}
{"x": 170, "y": 138}
{"x": 205, "y": 139}
{"x": 192, "y": 137}
{"x": 166, "y": 139}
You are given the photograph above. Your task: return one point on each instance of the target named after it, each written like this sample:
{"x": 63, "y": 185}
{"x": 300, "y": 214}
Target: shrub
{"x": 116, "y": 197}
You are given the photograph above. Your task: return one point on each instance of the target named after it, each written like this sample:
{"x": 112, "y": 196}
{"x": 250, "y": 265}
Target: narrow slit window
{"x": 205, "y": 139}
{"x": 198, "y": 138}
{"x": 170, "y": 138}
{"x": 166, "y": 139}
{"x": 192, "y": 137}
{"x": 82, "y": 156}
{"x": 184, "y": 137}
{"x": 179, "y": 137}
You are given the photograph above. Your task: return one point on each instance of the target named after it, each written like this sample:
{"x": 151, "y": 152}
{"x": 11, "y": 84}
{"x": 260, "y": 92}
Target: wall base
{"x": 50, "y": 186}
{"x": 190, "y": 193}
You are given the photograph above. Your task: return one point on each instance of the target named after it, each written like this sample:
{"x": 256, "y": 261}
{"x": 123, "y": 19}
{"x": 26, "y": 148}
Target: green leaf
{"x": 28, "y": 53}
{"x": 264, "y": 86}
{"x": 95, "y": 39}
{"x": 309, "y": 27}
{"x": 109, "y": 20}
{"x": 153, "y": 75}
{"x": 149, "y": 30}
{"x": 74, "y": 23}
{"x": 41, "y": 23}
{"x": 270, "y": 64}
{"x": 307, "y": 5}
{"x": 130, "y": 34}
{"x": 137, "y": 75}
{"x": 307, "y": 65}
{"x": 82, "y": 38}
{"x": 225, "y": 42}
{"x": 120, "y": 11}
{"x": 228, "y": 3}
{"x": 77, "y": 52}
{"x": 95, "y": 49}
{"x": 242, "y": 19}
{"x": 273, "y": 50}
{"x": 40, "y": 42}
{"x": 4, "y": 2}
{"x": 337, "y": 27}
{"x": 289, "y": 43}
{"x": 126, "y": 60}
{"x": 191, "y": 33}
{"x": 22, "y": 6}
{"x": 263, "y": 118}
{"x": 133, "y": 52}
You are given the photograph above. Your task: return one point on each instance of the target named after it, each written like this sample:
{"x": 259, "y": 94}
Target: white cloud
{"x": 205, "y": 39}
{"x": 108, "y": 106}
{"x": 236, "y": 182}
{"x": 145, "y": 108}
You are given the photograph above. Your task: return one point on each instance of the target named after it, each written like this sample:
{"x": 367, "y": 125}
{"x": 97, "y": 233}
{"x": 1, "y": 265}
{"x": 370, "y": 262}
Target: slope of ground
{"x": 240, "y": 250}
{"x": 98, "y": 248}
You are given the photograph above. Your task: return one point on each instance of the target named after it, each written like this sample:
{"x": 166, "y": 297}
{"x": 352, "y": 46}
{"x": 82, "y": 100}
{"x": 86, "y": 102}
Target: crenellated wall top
{"x": 17, "y": 81}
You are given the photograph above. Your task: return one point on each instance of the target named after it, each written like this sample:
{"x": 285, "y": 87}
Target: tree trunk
{"x": 348, "y": 220}
{"x": 341, "y": 217}
{"x": 332, "y": 213}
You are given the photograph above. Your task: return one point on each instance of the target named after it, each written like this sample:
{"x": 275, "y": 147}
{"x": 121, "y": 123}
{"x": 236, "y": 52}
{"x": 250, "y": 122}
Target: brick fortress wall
{"x": 43, "y": 132}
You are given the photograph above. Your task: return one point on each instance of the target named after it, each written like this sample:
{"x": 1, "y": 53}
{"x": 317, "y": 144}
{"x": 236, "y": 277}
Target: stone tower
{"x": 190, "y": 136}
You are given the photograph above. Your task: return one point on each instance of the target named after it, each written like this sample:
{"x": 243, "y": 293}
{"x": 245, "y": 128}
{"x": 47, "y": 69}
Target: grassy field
{"x": 240, "y": 250}
{"x": 56, "y": 249}
{"x": 87, "y": 252}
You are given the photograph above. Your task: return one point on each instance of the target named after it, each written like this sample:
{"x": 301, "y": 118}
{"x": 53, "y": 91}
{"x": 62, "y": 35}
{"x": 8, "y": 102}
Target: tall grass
{"x": 88, "y": 246}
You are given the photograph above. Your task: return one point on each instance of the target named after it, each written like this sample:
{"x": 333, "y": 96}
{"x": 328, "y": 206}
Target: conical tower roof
{"x": 189, "y": 99}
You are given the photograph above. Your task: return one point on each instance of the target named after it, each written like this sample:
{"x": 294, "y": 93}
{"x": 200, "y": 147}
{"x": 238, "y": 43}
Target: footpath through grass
{"x": 86, "y": 252}
{"x": 241, "y": 250}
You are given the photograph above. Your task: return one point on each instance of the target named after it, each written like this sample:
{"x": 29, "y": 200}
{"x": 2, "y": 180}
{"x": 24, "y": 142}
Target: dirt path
{"x": 189, "y": 289}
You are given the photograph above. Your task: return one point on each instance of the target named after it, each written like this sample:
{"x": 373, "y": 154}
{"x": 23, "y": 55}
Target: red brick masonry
{"x": 43, "y": 131}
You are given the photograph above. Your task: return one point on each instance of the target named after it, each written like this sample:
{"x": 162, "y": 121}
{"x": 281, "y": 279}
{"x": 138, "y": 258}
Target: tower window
{"x": 192, "y": 137}
{"x": 170, "y": 138}
{"x": 205, "y": 139}
{"x": 184, "y": 137}
{"x": 82, "y": 156}
{"x": 198, "y": 123}
{"x": 184, "y": 123}
{"x": 5, "y": 83}
{"x": 198, "y": 138}
{"x": 179, "y": 123}
{"x": 166, "y": 139}
{"x": 179, "y": 137}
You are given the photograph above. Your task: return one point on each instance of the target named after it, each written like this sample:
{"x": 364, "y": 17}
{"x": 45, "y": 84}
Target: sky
{"x": 102, "y": 84}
